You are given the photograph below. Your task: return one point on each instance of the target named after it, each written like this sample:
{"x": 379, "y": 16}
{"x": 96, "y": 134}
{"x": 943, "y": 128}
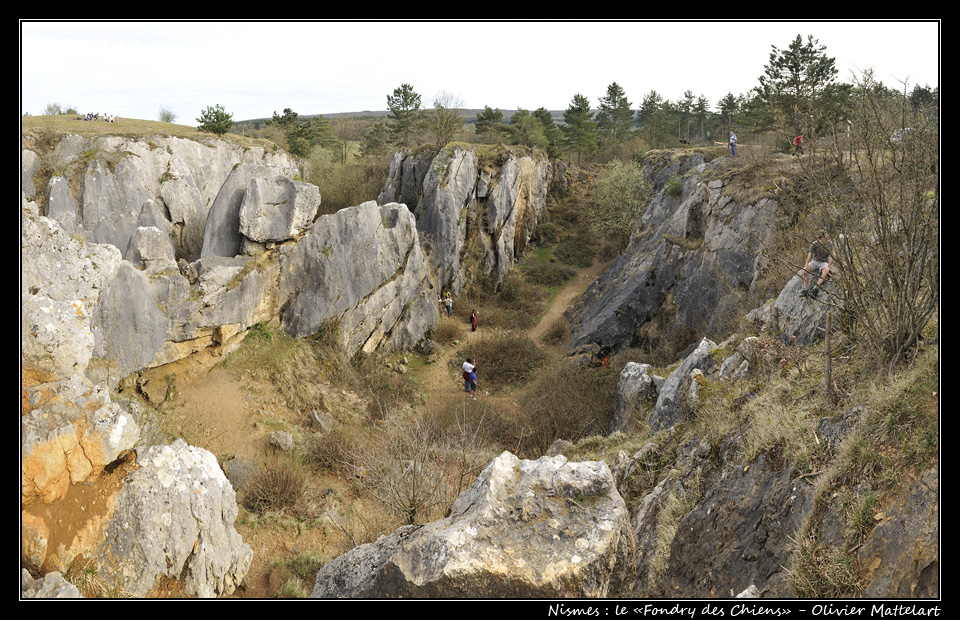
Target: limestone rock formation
{"x": 691, "y": 266}
{"x": 739, "y": 533}
{"x": 363, "y": 268}
{"x": 173, "y": 518}
{"x": 634, "y": 388}
{"x": 466, "y": 208}
{"x": 525, "y": 529}
{"x": 672, "y": 395}
{"x": 69, "y": 431}
{"x": 51, "y": 585}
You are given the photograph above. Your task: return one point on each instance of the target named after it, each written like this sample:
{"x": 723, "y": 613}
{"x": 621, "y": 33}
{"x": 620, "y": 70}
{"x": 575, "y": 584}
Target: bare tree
{"x": 166, "y": 115}
{"x": 875, "y": 189}
{"x": 445, "y": 120}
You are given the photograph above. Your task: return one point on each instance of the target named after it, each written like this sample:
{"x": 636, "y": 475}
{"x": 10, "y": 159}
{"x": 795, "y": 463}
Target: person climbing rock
{"x": 819, "y": 261}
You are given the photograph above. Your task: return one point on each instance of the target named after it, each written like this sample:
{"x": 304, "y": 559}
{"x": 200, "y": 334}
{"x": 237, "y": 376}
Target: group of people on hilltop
{"x": 96, "y": 116}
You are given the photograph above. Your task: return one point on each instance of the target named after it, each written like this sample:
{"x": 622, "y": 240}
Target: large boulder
{"x": 173, "y": 518}
{"x": 362, "y": 268}
{"x": 526, "y": 529}
{"x": 794, "y": 319}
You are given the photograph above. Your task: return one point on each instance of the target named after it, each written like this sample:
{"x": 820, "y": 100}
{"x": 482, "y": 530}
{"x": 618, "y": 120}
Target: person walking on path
{"x": 798, "y": 146}
{"x": 473, "y": 320}
{"x": 470, "y": 378}
{"x": 818, "y": 260}
{"x": 733, "y": 144}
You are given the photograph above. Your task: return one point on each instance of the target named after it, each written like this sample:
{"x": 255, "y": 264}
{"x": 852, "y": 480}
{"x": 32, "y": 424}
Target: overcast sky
{"x": 131, "y": 69}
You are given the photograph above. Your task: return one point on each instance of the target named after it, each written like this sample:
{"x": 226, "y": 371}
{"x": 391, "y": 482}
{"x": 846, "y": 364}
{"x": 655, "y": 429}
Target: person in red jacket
{"x": 798, "y": 146}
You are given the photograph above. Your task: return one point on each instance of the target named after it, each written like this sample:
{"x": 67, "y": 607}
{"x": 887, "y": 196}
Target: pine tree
{"x": 614, "y": 118}
{"x": 798, "y": 81}
{"x": 580, "y": 130}
{"x": 406, "y": 117}
{"x": 215, "y": 119}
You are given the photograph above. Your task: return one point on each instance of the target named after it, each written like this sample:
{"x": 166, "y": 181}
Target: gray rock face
{"x": 87, "y": 310}
{"x": 174, "y": 518}
{"x": 669, "y": 408}
{"x": 276, "y": 209}
{"x": 794, "y": 319}
{"x": 362, "y": 267}
{"x": 739, "y": 534}
{"x": 122, "y": 175}
{"x": 525, "y": 529}
{"x": 902, "y": 553}
{"x": 634, "y": 388}
{"x": 61, "y": 282}
{"x": 458, "y": 202}
{"x": 695, "y": 262}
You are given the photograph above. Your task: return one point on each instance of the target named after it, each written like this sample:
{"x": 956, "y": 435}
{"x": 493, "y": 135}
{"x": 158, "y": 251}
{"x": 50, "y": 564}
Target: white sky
{"x": 132, "y": 68}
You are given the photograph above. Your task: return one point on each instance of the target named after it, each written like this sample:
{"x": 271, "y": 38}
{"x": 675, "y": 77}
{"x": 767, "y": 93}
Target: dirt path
{"x": 441, "y": 379}
{"x": 229, "y": 412}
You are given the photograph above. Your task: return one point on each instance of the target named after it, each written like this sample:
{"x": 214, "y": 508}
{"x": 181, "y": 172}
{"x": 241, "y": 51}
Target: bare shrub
{"x": 277, "y": 487}
{"x": 566, "y": 402}
{"x": 504, "y": 360}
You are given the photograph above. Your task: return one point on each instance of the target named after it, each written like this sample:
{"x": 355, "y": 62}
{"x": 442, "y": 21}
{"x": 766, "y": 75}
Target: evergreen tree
{"x": 527, "y": 129}
{"x": 614, "y": 117}
{"x": 653, "y": 120}
{"x": 215, "y": 119}
{"x": 405, "y": 114}
{"x": 490, "y": 125}
{"x": 550, "y": 131}
{"x": 799, "y": 81}
{"x": 580, "y": 130}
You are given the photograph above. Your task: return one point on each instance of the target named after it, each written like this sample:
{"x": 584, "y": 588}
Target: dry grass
{"x": 37, "y": 126}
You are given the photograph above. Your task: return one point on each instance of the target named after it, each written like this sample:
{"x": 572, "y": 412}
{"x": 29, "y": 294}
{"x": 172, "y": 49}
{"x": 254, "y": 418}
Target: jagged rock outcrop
{"x": 901, "y": 556}
{"x": 634, "y": 388}
{"x": 257, "y": 229}
{"x": 51, "y": 585}
{"x": 525, "y": 529}
{"x": 795, "y": 319}
{"x": 692, "y": 266}
{"x": 672, "y": 394}
{"x": 363, "y": 268}
{"x": 740, "y": 533}
{"x": 115, "y": 184}
{"x": 173, "y": 518}
{"x": 470, "y": 211}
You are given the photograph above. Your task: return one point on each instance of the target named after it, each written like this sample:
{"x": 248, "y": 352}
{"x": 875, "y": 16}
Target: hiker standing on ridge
{"x": 733, "y": 144}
